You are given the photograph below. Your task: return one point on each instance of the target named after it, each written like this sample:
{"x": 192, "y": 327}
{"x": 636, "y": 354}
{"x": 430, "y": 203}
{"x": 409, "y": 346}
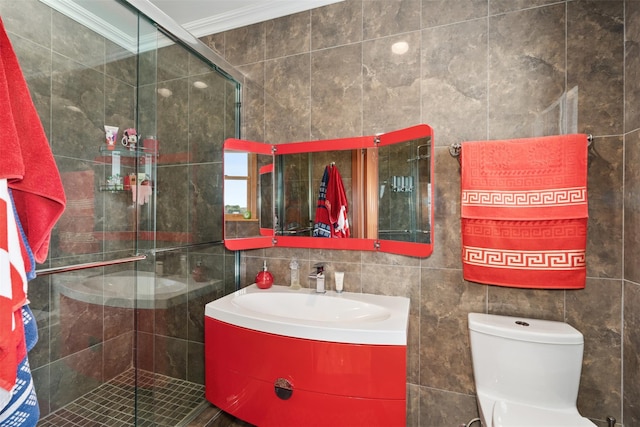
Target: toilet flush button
{"x": 521, "y": 323}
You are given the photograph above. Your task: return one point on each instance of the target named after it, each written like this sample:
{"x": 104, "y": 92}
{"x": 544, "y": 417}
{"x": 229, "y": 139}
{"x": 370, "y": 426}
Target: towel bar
{"x": 456, "y": 147}
{"x": 74, "y": 267}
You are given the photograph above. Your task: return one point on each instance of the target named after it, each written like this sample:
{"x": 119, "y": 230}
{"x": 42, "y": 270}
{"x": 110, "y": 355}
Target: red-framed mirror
{"x": 379, "y": 186}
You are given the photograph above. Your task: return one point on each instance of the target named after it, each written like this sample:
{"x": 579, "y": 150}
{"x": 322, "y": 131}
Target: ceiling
{"x": 198, "y": 17}
{"x": 203, "y": 17}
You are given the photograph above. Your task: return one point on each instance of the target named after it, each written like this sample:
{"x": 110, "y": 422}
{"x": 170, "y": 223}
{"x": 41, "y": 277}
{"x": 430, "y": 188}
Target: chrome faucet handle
{"x": 319, "y": 266}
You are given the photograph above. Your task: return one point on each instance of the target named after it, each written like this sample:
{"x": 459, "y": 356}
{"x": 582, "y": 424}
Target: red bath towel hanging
{"x": 26, "y": 160}
{"x": 524, "y": 212}
{"x": 331, "y": 211}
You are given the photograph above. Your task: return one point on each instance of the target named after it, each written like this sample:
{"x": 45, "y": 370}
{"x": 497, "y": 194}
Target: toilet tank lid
{"x": 525, "y": 329}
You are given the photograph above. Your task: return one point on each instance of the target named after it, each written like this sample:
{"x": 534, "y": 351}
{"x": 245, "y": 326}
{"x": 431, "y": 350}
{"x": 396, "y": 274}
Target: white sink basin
{"x": 306, "y": 306}
{"x": 346, "y": 317}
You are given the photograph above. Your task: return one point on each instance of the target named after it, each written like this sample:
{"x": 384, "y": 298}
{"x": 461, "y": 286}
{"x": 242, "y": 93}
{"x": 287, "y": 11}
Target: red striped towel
{"x": 13, "y": 288}
{"x": 524, "y": 212}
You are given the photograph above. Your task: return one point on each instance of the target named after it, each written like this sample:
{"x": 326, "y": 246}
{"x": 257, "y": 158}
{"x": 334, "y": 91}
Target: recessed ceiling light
{"x": 164, "y": 92}
{"x": 400, "y": 48}
{"x": 73, "y": 108}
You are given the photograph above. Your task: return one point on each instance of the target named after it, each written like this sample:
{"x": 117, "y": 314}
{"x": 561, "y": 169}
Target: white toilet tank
{"x": 537, "y": 362}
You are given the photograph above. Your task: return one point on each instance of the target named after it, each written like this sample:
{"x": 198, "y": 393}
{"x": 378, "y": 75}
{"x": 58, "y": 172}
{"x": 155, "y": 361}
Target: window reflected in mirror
{"x": 240, "y": 186}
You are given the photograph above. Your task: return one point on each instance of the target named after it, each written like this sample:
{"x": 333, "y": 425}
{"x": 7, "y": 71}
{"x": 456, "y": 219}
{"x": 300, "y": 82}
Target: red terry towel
{"x": 331, "y": 211}
{"x": 337, "y": 204}
{"x": 26, "y": 160}
{"x": 524, "y": 212}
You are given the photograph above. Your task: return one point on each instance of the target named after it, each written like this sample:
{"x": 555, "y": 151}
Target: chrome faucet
{"x": 318, "y": 276}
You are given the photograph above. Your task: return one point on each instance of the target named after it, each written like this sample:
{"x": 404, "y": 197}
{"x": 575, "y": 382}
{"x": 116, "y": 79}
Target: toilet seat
{"x": 510, "y": 414}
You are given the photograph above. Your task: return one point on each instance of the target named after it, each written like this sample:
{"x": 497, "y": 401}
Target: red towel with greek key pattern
{"x": 524, "y": 212}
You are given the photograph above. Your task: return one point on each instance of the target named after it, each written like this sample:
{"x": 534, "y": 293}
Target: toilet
{"x": 526, "y": 371}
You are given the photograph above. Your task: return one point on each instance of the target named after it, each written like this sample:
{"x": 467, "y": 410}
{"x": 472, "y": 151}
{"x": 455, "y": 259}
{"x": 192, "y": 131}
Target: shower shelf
{"x": 125, "y": 152}
{"x": 104, "y": 187}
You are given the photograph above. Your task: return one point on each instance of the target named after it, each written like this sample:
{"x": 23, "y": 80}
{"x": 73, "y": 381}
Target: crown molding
{"x": 100, "y": 25}
{"x": 259, "y": 12}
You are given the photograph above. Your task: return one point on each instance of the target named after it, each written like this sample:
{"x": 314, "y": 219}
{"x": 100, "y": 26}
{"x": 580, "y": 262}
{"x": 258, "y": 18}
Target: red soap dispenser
{"x": 264, "y": 279}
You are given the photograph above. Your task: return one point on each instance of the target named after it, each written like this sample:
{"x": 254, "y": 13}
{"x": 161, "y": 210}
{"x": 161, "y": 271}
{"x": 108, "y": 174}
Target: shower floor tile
{"x": 162, "y": 401}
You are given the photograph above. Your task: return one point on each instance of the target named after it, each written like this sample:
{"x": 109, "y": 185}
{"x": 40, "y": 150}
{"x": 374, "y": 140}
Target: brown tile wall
{"x": 481, "y": 69}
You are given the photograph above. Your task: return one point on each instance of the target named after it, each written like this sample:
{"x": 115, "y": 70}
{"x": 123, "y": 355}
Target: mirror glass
{"x": 387, "y": 198}
{"x": 404, "y": 191}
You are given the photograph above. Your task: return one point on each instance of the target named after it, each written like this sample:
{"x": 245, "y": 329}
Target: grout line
{"x": 112, "y": 403}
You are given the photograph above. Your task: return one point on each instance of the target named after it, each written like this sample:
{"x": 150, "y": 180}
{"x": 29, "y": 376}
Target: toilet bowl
{"x": 527, "y": 371}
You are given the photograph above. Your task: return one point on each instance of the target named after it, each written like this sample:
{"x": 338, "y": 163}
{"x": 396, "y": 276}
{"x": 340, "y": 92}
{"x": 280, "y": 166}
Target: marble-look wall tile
{"x": 595, "y": 52}
{"x": 147, "y": 98}
{"x": 632, "y": 66}
{"x": 287, "y": 98}
{"x": 170, "y": 357}
{"x": 504, "y": 6}
{"x": 145, "y": 351}
{"x": 413, "y": 405}
{"x": 173, "y": 195}
{"x": 446, "y": 195}
{"x": 81, "y": 325}
{"x": 77, "y": 109}
{"x": 599, "y": 393}
{"x": 75, "y": 376}
{"x": 207, "y": 117}
{"x": 336, "y": 24}
{"x": 206, "y": 199}
{"x": 195, "y": 313}
{"x": 253, "y": 103}
{"x": 118, "y": 355}
{"x": 77, "y": 42}
{"x": 117, "y": 320}
{"x": 533, "y": 303}
{"x": 119, "y": 106}
{"x": 245, "y": 45}
{"x": 454, "y": 72}
{"x": 443, "y": 408}
{"x": 445, "y": 300}
{"x": 173, "y": 60}
{"x": 632, "y": 207}
{"x": 384, "y": 17}
{"x": 604, "y": 234}
{"x": 173, "y": 117}
{"x": 393, "y": 280}
{"x": 42, "y": 381}
{"x": 443, "y": 12}
{"x": 391, "y": 84}
{"x": 215, "y": 42}
{"x": 526, "y": 68}
{"x": 288, "y": 35}
{"x": 30, "y": 19}
{"x": 121, "y": 63}
{"x": 195, "y": 365}
{"x": 336, "y": 84}
{"x": 35, "y": 63}
{"x": 631, "y": 344}
{"x": 172, "y": 321}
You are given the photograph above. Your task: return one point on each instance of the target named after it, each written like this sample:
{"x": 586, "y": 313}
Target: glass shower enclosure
{"x": 138, "y": 252}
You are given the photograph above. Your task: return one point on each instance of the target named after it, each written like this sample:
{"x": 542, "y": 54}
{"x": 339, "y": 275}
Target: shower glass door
{"x": 138, "y": 251}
